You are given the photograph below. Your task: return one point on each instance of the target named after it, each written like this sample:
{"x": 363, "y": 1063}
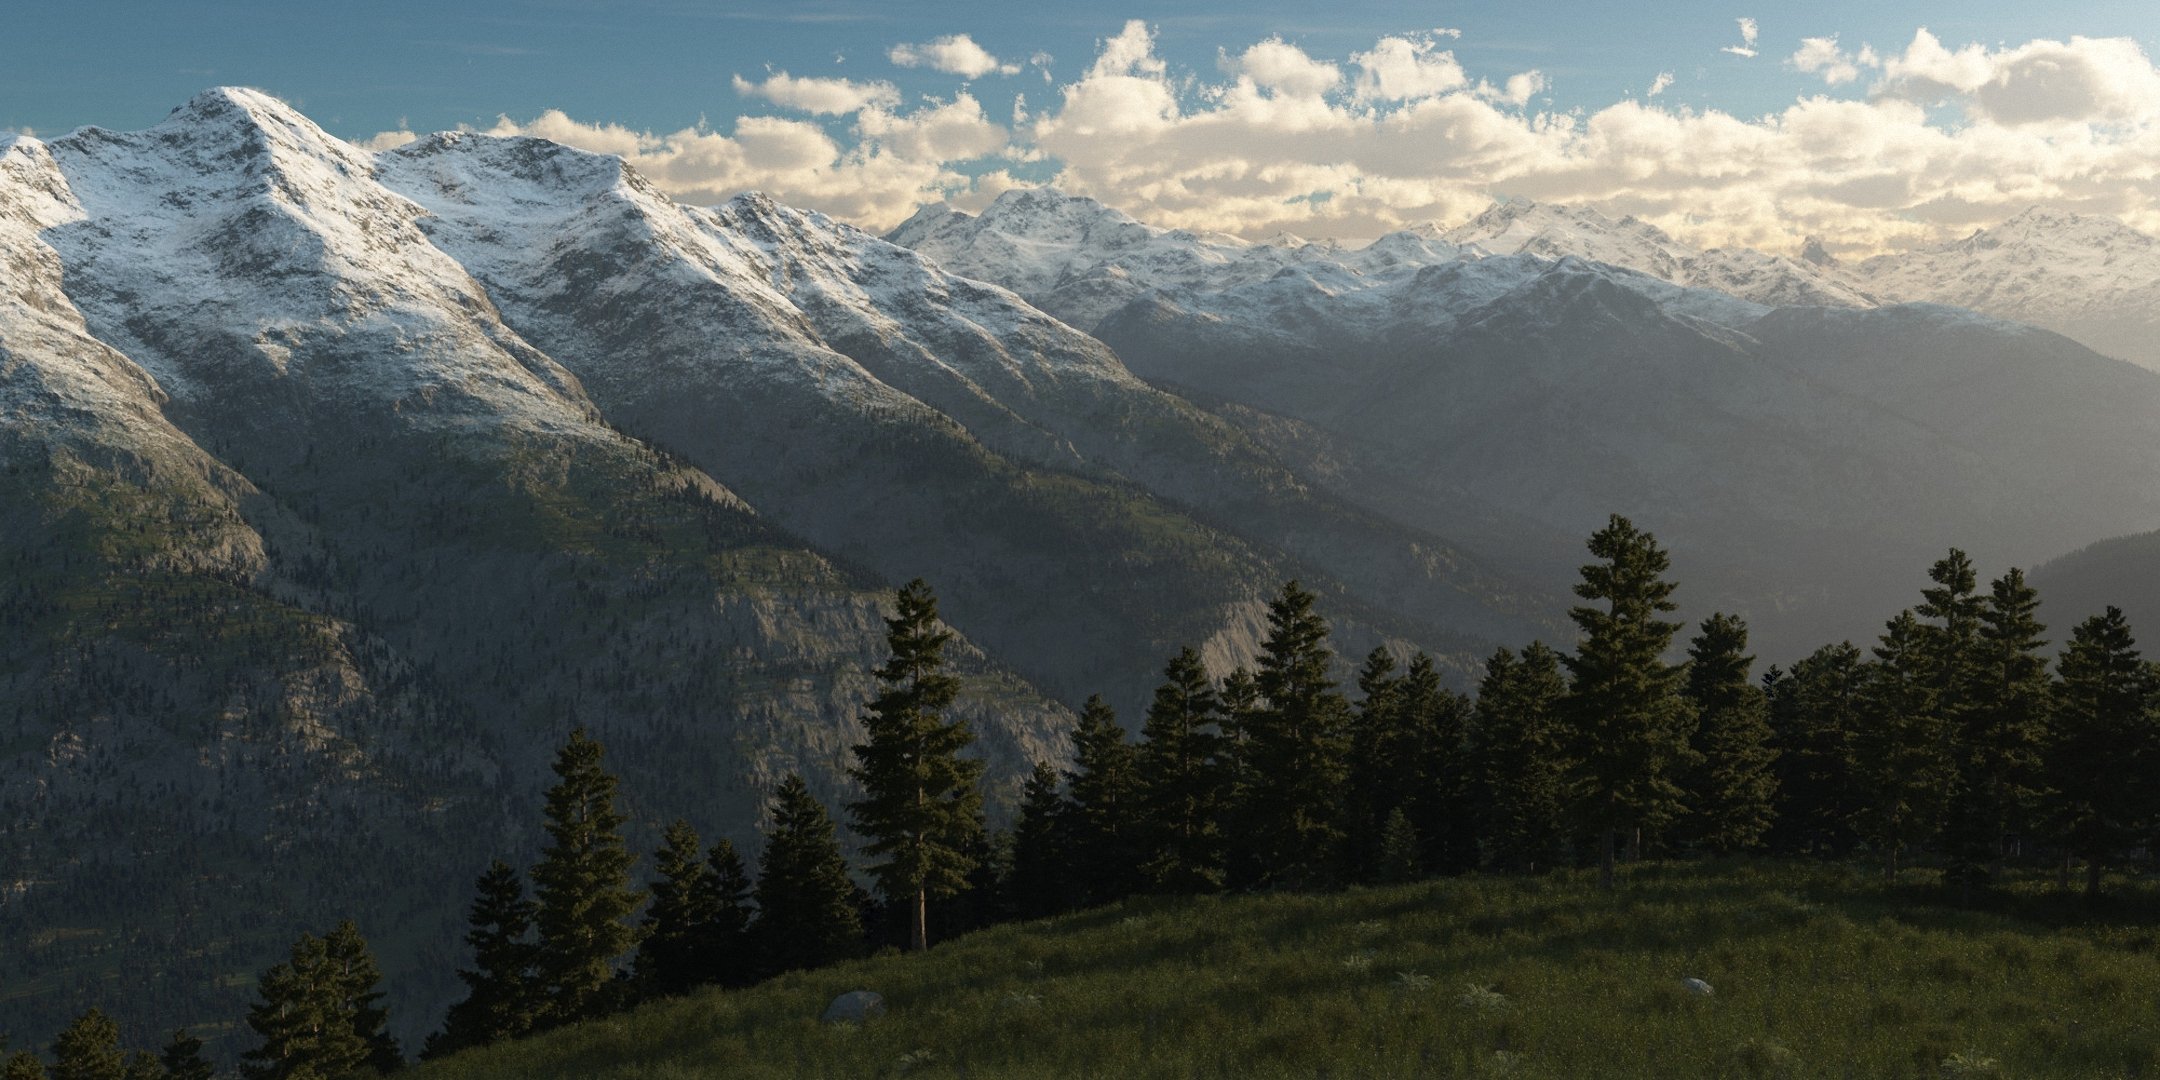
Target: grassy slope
{"x": 1817, "y": 970}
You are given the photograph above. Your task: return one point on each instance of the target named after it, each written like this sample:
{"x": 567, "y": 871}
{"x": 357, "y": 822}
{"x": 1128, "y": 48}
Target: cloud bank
{"x": 1895, "y": 148}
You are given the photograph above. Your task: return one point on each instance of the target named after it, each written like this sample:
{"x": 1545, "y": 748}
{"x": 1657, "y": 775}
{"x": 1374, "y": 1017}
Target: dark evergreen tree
{"x": 582, "y": 889}
{"x": 1181, "y": 782}
{"x": 1383, "y": 764}
{"x": 1901, "y": 760}
{"x": 1628, "y": 719}
{"x": 1400, "y": 854}
{"x": 23, "y": 1065}
{"x": 359, "y": 995}
{"x": 305, "y": 1020}
{"x": 921, "y": 804}
{"x": 1521, "y": 759}
{"x": 729, "y": 959}
{"x": 1999, "y": 759}
{"x": 142, "y": 1065}
{"x": 1814, "y": 714}
{"x": 1441, "y": 795}
{"x": 807, "y": 911}
{"x": 89, "y": 1049}
{"x": 1732, "y": 790}
{"x": 500, "y": 997}
{"x": 182, "y": 1058}
{"x": 680, "y": 928}
{"x": 1040, "y": 883}
{"x": 2105, "y": 742}
{"x": 1099, "y": 822}
{"x": 1295, "y": 753}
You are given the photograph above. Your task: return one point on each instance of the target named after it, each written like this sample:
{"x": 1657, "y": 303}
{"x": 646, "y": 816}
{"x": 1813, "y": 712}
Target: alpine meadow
{"x": 825, "y": 539}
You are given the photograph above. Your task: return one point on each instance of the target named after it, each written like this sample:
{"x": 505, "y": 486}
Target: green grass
{"x": 1817, "y": 971}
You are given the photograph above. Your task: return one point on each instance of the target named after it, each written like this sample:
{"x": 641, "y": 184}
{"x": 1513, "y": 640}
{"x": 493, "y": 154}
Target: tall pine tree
{"x": 1180, "y": 782}
{"x": 921, "y": 804}
{"x": 729, "y": 959}
{"x": 1814, "y": 715}
{"x": 182, "y": 1058}
{"x": 806, "y": 903}
{"x": 500, "y": 1000}
{"x": 1294, "y": 753}
{"x": 358, "y": 982}
{"x": 1522, "y": 766}
{"x": 1442, "y": 798}
{"x": 89, "y": 1049}
{"x": 1627, "y": 717}
{"x": 582, "y": 887}
{"x": 680, "y": 927}
{"x": 306, "y": 1020}
{"x": 2004, "y": 732}
{"x": 1901, "y": 758}
{"x": 1732, "y": 790}
{"x": 2105, "y": 740}
{"x": 1099, "y": 823}
{"x": 1040, "y": 882}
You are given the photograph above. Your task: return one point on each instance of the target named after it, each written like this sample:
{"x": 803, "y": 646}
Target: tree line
{"x": 1953, "y": 739}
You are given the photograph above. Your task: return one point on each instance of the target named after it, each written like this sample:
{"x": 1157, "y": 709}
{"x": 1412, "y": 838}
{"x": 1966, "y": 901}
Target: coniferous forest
{"x": 1965, "y": 747}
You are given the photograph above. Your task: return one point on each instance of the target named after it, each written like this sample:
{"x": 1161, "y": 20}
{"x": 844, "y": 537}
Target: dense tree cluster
{"x": 1955, "y": 738}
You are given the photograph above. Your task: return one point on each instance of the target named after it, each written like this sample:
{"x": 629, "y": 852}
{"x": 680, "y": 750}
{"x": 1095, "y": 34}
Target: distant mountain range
{"x": 338, "y": 486}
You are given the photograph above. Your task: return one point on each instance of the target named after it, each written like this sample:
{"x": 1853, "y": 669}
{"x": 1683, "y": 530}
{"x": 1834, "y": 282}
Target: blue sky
{"x": 667, "y": 66}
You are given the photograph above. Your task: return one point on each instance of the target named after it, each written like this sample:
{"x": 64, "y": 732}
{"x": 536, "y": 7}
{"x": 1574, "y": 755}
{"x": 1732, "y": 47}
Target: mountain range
{"x": 340, "y": 485}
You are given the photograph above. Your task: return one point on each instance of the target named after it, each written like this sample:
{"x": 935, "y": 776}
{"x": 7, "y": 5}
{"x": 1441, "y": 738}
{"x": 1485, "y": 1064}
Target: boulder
{"x": 854, "y": 1007}
{"x": 1697, "y": 987}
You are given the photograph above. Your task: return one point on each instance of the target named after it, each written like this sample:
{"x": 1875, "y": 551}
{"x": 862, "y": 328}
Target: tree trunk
{"x": 2062, "y": 872}
{"x": 1889, "y": 864}
{"x": 919, "y": 926}
{"x": 2092, "y": 878}
{"x": 1634, "y": 844}
{"x": 1605, "y": 859}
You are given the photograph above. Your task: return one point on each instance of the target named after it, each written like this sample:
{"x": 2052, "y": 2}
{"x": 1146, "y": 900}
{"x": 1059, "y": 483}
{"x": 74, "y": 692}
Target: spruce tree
{"x": 182, "y": 1058}
{"x": 920, "y": 799}
{"x": 1378, "y": 759}
{"x": 89, "y": 1049}
{"x": 1814, "y": 715}
{"x": 2106, "y": 736}
{"x": 142, "y": 1065}
{"x": 807, "y": 916}
{"x": 1180, "y": 782}
{"x": 1628, "y": 720}
{"x": 729, "y": 959}
{"x": 1901, "y": 759}
{"x": 582, "y": 889}
{"x": 1521, "y": 759}
{"x": 680, "y": 925}
{"x": 1294, "y": 754}
{"x": 1399, "y": 855}
{"x": 1999, "y": 762}
{"x": 358, "y": 982}
{"x": 1732, "y": 790}
{"x": 1099, "y": 790}
{"x": 500, "y": 998}
{"x": 23, "y": 1065}
{"x": 1040, "y": 883}
{"x": 1441, "y": 792}
{"x": 306, "y": 1019}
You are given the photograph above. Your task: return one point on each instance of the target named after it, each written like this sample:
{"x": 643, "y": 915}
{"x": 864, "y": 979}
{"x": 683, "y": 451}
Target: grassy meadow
{"x": 1816, "y": 971}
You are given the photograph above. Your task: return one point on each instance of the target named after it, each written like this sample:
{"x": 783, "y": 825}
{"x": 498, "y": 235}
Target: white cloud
{"x": 1406, "y": 69}
{"x": 953, "y": 54}
{"x": 1662, "y": 83}
{"x": 1748, "y": 34}
{"x": 1284, "y": 68}
{"x": 1822, "y": 55}
{"x": 2083, "y": 80}
{"x": 831, "y": 97}
{"x": 1516, "y": 91}
{"x": 387, "y": 140}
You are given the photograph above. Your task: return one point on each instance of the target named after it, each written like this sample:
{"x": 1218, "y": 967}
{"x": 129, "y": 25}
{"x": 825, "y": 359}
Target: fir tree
{"x": 142, "y": 1065}
{"x": 582, "y": 888}
{"x": 305, "y": 1020}
{"x": 680, "y": 928}
{"x": 1379, "y": 759}
{"x": 182, "y": 1058}
{"x": 1732, "y": 790}
{"x": 1039, "y": 883}
{"x": 2005, "y": 727}
{"x": 807, "y": 915}
{"x": 729, "y": 960}
{"x": 920, "y": 798}
{"x": 359, "y": 996}
{"x": 2105, "y": 739}
{"x": 1814, "y": 714}
{"x": 1628, "y": 719}
{"x": 1521, "y": 760}
{"x": 1294, "y": 750}
{"x": 499, "y": 999}
{"x": 1099, "y": 790}
{"x": 23, "y": 1065}
{"x": 89, "y": 1049}
{"x": 1441, "y": 785}
{"x": 1900, "y": 752}
{"x": 1180, "y": 782}
{"x": 1399, "y": 856}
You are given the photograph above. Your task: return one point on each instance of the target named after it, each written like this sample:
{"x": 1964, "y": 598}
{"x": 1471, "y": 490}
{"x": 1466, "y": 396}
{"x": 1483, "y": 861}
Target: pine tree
{"x": 1814, "y": 714}
{"x": 1522, "y": 763}
{"x": 1399, "y": 857}
{"x": 1732, "y": 790}
{"x": 499, "y": 993}
{"x": 729, "y": 959}
{"x": 1379, "y": 759}
{"x": 1901, "y": 760}
{"x": 1181, "y": 783}
{"x": 582, "y": 888}
{"x": 23, "y": 1065}
{"x": 920, "y": 797}
{"x": 1039, "y": 883}
{"x": 89, "y": 1049}
{"x": 1099, "y": 791}
{"x": 1442, "y": 792}
{"x": 1294, "y": 754}
{"x": 357, "y": 980}
{"x": 142, "y": 1065}
{"x": 680, "y": 925}
{"x": 2005, "y": 727}
{"x": 2105, "y": 737}
{"x": 305, "y": 1020}
{"x": 1627, "y": 717}
{"x": 807, "y": 916}
{"x": 183, "y": 1058}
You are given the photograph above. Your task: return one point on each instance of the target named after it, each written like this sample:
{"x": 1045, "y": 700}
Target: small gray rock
{"x": 854, "y": 1007}
{"x": 1697, "y": 987}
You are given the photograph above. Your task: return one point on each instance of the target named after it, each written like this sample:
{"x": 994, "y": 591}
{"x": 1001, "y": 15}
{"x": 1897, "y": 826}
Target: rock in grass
{"x": 1697, "y": 987}
{"x": 854, "y": 1007}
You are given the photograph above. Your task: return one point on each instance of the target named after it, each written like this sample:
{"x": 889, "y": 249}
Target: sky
{"x": 1875, "y": 125}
